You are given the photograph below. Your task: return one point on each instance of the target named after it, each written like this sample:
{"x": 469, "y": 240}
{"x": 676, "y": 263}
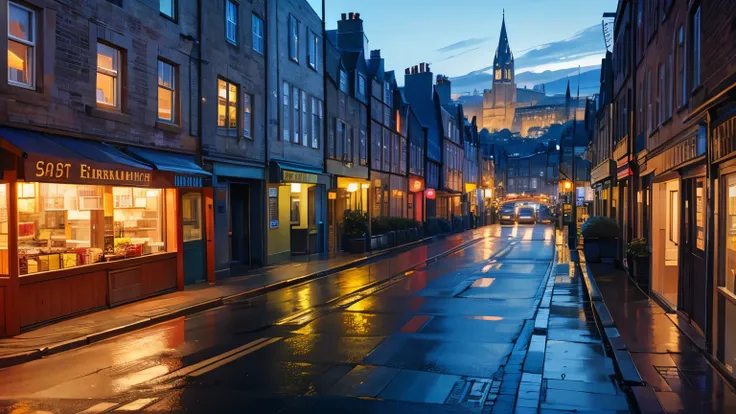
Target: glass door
{"x": 193, "y": 233}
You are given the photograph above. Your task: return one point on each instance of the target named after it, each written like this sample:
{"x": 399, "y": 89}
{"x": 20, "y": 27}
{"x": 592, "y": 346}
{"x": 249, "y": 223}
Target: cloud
{"x": 460, "y": 54}
{"x": 463, "y": 44}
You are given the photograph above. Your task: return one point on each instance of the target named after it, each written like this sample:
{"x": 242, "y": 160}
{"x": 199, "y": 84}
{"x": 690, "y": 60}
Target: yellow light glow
{"x": 296, "y": 188}
{"x": 15, "y": 62}
{"x": 352, "y": 187}
{"x": 568, "y": 185}
{"x": 365, "y": 186}
{"x": 483, "y": 282}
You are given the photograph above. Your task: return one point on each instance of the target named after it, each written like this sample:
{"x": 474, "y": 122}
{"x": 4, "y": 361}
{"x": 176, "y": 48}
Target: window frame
{"x": 31, "y": 45}
{"x": 343, "y": 86}
{"x": 232, "y": 132}
{"x": 258, "y": 36}
{"x": 296, "y": 108}
{"x": 696, "y": 48}
{"x": 306, "y": 136}
{"x": 228, "y": 3}
{"x": 285, "y": 111}
{"x": 117, "y": 77}
{"x": 361, "y": 89}
{"x": 174, "y": 7}
{"x": 682, "y": 66}
{"x": 313, "y": 54}
{"x": 173, "y": 88}
{"x": 293, "y": 38}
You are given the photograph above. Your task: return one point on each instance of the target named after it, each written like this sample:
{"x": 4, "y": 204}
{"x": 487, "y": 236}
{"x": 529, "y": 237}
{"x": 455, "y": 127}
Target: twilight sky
{"x": 460, "y": 36}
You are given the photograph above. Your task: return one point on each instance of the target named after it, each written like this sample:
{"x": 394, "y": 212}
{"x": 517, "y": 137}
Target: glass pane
{"x": 18, "y": 62}
{"x": 137, "y": 222}
{"x": 232, "y": 116}
{"x": 20, "y": 23}
{"x": 191, "y": 208}
{"x": 233, "y": 95}
{"x": 107, "y": 58}
{"x": 165, "y": 104}
{"x": 106, "y": 89}
{"x": 165, "y": 75}
{"x": 221, "y": 104}
{"x": 167, "y": 7}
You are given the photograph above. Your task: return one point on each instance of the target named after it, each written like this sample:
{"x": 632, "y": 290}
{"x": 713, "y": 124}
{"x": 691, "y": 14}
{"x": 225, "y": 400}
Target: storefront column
{"x": 174, "y": 200}
{"x": 209, "y": 231}
{"x": 12, "y": 295}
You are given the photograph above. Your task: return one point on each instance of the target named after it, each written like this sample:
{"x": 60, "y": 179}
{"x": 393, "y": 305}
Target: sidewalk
{"x": 83, "y": 330}
{"x": 566, "y": 368}
{"x": 673, "y": 373}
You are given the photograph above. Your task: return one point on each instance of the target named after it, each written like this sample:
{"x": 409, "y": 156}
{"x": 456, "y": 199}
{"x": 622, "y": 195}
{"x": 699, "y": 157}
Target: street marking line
{"x": 137, "y": 405}
{"x": 98, "y": 408}
{"x": 233, "y": 357}
{"x": 201, "y": 364}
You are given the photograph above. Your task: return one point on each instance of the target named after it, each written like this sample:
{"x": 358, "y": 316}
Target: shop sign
{"x": 298, "y": 177}
{"x": 44, "y": 170}
{"x": 624, "y": 172}
{"x": 188, "y": 181}
{"x": 416, "y": 185}
{"x": 273, "y": 192}
{"x": 430, "y": 194}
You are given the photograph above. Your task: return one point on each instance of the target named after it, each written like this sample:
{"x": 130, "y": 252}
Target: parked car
{"x": 526, "y": 215}
{"x": 507, "y": 214}
{"x": 544, "y": 215}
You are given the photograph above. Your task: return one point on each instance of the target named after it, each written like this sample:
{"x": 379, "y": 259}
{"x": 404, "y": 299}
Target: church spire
{"x": 503, "y": 62}
{"x": 567, "y": 94}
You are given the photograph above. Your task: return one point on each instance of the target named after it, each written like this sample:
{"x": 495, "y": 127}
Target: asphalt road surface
{"x": 434, "y": 339}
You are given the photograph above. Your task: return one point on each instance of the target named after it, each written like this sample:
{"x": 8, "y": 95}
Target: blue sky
{"x": 412, "y": 31}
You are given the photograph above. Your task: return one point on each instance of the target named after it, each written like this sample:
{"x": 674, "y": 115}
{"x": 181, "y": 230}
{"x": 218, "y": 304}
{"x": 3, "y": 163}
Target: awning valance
{"x": 186, "y": 172}
{"x": 52, "y": 158}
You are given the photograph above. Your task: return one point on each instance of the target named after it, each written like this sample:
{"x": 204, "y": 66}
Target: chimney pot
{"x": 357, "y": 16}
{"x": 350, "y": 15}
{"x": 407, "y": 71}
{"x": 344, "y": 16}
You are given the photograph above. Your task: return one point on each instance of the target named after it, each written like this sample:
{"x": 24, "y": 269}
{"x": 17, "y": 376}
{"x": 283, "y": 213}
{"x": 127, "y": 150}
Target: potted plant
{"x": 356, "y": 228}
{"x": 638, "y": 254}
{"x": 600, "y": 235}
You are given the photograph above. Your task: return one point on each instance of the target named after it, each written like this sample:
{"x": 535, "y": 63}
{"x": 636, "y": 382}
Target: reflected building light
{"x": 483, "y": 282}
{"x": 485, "y": 318}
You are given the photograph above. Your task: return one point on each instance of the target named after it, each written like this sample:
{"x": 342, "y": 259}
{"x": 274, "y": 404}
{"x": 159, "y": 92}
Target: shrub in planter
{"x": 638, "y": 254}
{"x": 600, "y": 235}
{"x": 356, "y": 228}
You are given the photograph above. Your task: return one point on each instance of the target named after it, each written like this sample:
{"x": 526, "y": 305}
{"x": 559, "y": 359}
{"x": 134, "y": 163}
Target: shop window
{"x": 166, "y": 91}
{"x": 227, "y": 107}
{"x": 191, "y": 211}
{"x": 729, "y": 282}
{"x": 108, "y": 76}
{"x": 63, "y": 225}
{"x": 21, "y": 45}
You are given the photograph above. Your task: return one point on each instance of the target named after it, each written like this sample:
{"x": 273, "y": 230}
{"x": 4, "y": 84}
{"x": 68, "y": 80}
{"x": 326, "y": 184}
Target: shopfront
{"x": 389, "y": 195}
{"x": 415, "y": 200}
{"x": 297, "y": 208}
{"x": 348, "y": 194}
{"x": 84, "y": 226}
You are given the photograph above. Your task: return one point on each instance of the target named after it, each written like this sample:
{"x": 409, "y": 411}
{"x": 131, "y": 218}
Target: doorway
{"x": 239, "y": 231}
{"x": 306, "y": 218}
{"x": 666, "y": 240}
{"x": 193, "y": 235}
{"x": 692, "y": 270}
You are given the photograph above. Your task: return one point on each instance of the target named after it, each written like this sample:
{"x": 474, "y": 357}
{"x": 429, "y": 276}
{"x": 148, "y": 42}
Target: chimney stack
{"x": 357, "y": 16}
{"x": 344, "y": 16}
{"x": 350, "y": 35}
{"x": 407, "y": 71}
{"x": 351, "y": 15}
{"x": 376, "y": 54}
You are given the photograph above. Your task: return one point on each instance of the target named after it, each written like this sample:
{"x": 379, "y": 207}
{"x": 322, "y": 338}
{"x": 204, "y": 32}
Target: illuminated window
{"x": 508, "y": 74}
{"x": 498, "y": 74}
{"x": 191, "y": 212}
{"x": 108, "y": 76}
{"x": 62, "y": 226}
{"x": 231, "y": 22}
{"x": 21, "y": 45}
{"x": 227, "y": 107}
{"x": 166, "y": 92}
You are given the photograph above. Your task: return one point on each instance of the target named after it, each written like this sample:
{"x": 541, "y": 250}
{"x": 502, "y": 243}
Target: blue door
{"x": 194, "y": 244}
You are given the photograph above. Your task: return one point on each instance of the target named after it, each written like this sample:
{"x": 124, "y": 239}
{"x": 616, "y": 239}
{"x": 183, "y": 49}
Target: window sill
{"x": 168, "y": 127}
{"x": 107, "y": 114}
{"x": 167, "y": 17}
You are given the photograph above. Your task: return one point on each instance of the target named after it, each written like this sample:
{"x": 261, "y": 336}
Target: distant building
{"x": 506, "y": 106}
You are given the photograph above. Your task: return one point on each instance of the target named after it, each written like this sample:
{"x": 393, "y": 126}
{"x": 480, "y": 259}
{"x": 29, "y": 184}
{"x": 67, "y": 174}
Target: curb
{"x": 642, "y": 395}
{"x": 74, "y": 343}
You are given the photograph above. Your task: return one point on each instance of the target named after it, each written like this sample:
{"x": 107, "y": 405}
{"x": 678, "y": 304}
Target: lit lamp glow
{"x": 296, "y": 188}
{"x": 568, "y": 185}
{"x": 352, "y": 187}
{"x": 365, "y": 186}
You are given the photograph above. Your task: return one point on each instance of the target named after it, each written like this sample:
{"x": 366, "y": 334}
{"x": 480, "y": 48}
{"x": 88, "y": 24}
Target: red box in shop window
{"x": 134, "y": 250}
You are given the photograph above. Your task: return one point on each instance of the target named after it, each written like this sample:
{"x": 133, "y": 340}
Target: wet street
{"x": 377, "y": 338}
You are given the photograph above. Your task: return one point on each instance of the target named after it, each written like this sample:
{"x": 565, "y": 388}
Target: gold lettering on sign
{"x": 63, "y": 171}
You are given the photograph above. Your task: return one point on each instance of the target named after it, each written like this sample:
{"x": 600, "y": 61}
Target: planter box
{"x": 354, "y": 245}
{"x": 641, "y": 272}
{"x": 390, "y": 239}
{"x": 600, "y": 250}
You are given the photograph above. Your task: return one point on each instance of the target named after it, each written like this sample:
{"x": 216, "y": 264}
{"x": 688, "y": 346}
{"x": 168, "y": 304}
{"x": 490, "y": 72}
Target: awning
{"x": 285, "y": 172}
{"x": 185, "y": 172}
{"x": 51, "y": 158}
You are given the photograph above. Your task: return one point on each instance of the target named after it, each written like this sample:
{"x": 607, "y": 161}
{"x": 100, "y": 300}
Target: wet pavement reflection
{"x": 435, "y": 338}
